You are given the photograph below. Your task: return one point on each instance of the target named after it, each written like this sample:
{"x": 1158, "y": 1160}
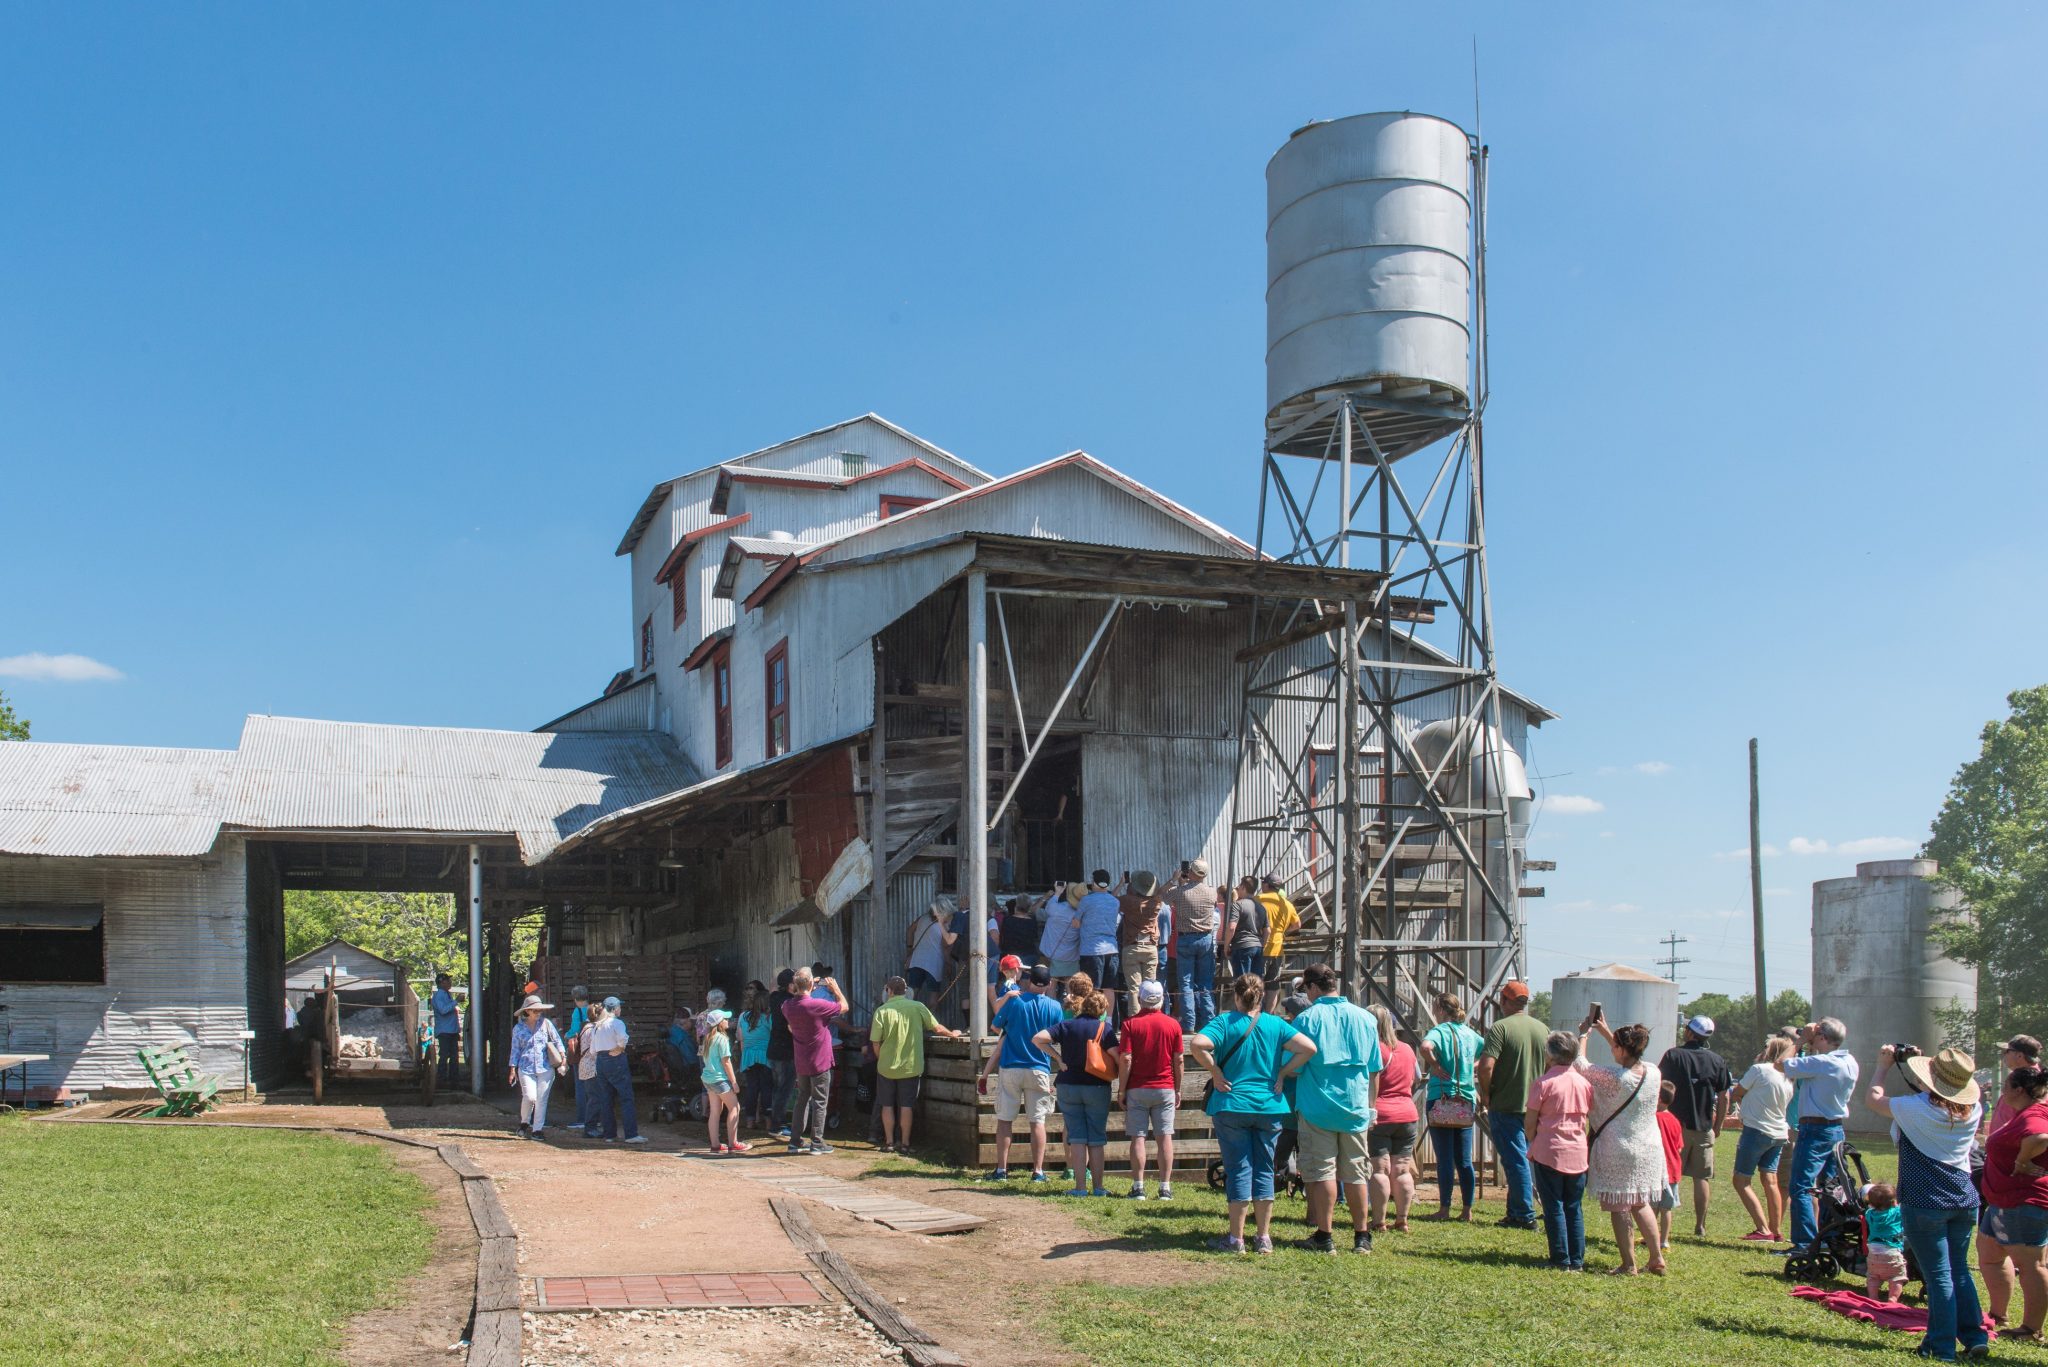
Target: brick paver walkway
{"x": 687, "y": 1290}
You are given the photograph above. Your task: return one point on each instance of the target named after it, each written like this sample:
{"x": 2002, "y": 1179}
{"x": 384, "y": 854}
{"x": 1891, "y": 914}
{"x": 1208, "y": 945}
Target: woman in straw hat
{"x": 537, "y": 1056}
{"x": 1934, "y": 1128}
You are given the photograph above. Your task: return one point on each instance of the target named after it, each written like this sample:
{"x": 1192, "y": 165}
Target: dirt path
{"x": 435, "y": 1301}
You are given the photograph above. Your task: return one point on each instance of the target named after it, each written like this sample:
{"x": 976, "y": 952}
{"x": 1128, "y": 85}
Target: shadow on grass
{"x": 1815, "y": 1337}
{"x": 1489, "y": 1257}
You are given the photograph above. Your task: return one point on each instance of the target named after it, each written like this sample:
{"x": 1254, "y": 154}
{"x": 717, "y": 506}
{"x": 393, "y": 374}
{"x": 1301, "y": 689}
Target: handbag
{"x": 1452, "y": 1113}
{"x": 1209, "y": 1087}
{"x": 1097, "y": 1063}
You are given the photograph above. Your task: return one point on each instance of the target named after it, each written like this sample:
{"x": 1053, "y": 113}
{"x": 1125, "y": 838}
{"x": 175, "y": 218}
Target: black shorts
{"x": 1395, "y": 1138}
{"x": 898, "y": 1092}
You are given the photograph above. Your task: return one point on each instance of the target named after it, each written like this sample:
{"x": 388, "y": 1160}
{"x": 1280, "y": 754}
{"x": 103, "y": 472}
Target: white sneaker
{"x": 636, "y": 1139}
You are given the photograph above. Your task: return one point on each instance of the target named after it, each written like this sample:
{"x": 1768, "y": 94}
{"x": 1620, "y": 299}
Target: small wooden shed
{"x": 376, "y": 980}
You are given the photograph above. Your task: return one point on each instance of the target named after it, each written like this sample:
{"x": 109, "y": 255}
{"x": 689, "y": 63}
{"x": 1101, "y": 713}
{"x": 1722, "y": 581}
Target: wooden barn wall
{"x": 176, "y": 961}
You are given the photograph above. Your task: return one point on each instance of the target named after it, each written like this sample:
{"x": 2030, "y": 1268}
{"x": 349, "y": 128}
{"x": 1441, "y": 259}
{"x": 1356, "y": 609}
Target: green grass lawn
{"x": 186, "y": 1245}
{"x": 1449, "y": 1293}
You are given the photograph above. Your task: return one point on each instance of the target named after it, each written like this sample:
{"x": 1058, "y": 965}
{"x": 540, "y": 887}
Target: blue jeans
{"x": 1511, "y": 1142}
{"x": 447, "y": 1051}
{"x": 784, "y": 1070}
{"x": 1197, "y": 955}
{"x": 1084, "y": 1107}
{"x": 1247, "y": 1142}
{"x": 583, "y": 1107}
{"x": 1940, "y": 1240}
{"x": 1564, "y": 1215}
{"x": 1246, "y": 960}
{"x": 1453, "y": 1154}
{"x": 614, "y": 1084}
{"x": 1103, "y": 968}
{"x": 1812, "y": 1151}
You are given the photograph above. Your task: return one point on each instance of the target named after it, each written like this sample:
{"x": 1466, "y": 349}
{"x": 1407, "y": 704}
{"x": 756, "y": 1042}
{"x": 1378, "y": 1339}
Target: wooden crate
{"x": 652, "y": 987}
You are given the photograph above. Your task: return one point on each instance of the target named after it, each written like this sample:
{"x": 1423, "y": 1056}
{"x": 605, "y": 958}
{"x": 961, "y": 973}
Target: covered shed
{"x": 361, "y": 976}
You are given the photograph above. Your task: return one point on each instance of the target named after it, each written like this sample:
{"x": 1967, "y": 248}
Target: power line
{"x": 1671, "y": 961}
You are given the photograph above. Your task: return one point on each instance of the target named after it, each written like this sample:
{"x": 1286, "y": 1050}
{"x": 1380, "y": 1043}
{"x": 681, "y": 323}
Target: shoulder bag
{"x": 1097, "y": 1063}
{"x": 1615, "y": 1114}
{"x": 1223, "y": 1059}
{"x": 1453, "y": 1112}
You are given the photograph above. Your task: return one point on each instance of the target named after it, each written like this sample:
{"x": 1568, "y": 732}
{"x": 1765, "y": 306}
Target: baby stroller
{"x": 1286, "y": 1172}
{"x": 1837, "y": 1245}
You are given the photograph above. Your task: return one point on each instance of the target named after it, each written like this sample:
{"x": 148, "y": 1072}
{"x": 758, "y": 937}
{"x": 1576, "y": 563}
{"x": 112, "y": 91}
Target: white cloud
{"x": 1799, "y": 844}
{"x": 1877, "y": 844}
{"x": 1862, "y": 847}
{"x": 1653, "y": 767}
{"x": 1567, "y": 804}
{"x": 56, "y": 668}
{"x": 1607, "y": 835}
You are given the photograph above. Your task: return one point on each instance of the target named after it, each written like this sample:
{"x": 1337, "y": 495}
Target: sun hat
{"x": 1151, "y": 992}
{"x": 1950, "y": 1074}
{"x": 534, "y": 1003}
{"x": 1144, "y": 882}
{"x": 1075, "y": 892}
{"x": 1702, "y": 1026}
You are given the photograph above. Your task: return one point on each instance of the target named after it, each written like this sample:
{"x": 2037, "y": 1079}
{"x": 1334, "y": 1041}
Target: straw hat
{"x": 1950, "y": 1075}
{"x": 534, "y": 1003}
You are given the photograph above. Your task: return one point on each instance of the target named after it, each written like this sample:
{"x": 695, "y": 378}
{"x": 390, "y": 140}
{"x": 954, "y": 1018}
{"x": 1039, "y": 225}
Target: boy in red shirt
{"x": 1149, "y": 1065}
{"x": 1673, "y": 1135}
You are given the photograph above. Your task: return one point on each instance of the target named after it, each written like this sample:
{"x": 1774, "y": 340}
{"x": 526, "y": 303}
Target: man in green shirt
{"x": 896, "y": 1031}
{"x": 1510, "y": 1061}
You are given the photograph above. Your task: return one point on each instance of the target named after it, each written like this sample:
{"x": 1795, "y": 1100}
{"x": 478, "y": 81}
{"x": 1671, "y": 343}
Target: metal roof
{"x": 124, "y": 800}
{"x": 295, "y": 774}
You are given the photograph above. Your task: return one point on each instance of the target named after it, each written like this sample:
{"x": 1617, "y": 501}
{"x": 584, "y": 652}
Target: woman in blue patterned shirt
{"x": 1934, "y": 1129}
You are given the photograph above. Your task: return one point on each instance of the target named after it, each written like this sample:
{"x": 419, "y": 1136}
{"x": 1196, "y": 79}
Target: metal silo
{"x": 1876, "y": 967}
{"x": 1369, "y": 270}
{"x": 1628, "y": 996}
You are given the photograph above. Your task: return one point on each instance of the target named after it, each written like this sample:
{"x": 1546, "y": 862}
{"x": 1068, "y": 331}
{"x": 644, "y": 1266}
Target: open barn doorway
{"x": 1046, "y": 837}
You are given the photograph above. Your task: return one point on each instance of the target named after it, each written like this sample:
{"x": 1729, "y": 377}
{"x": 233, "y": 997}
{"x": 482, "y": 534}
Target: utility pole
{"x": 1671, "y": 961}
{"x": 1756, "y": 896}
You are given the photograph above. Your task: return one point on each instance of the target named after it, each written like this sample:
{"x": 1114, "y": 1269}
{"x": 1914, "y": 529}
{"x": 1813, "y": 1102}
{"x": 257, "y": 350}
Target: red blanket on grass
{"x": 1857, "y": 1306}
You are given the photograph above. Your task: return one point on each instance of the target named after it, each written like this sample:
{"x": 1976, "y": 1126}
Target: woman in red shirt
{"x": 1390, "y": 1142}
{"x": 2014, "y": 1220}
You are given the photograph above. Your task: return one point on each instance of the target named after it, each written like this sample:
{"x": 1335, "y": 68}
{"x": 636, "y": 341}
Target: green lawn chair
{"x": 184, "y": 1092}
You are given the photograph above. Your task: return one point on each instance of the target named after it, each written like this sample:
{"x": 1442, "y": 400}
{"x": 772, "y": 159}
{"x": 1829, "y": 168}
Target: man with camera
{"x": 1829, "y": 1072}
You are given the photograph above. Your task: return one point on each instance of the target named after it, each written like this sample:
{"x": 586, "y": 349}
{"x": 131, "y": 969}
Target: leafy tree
{"x": 1735, "y": 1034}
{"x": 408, "y": 928}
{"x": 12, "y": 725}
{"x": 1539, "y": 1007}
{"x": 1991, "y": 837}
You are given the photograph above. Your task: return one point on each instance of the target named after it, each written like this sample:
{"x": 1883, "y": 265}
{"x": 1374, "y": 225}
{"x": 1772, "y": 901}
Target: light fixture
{"x": 669, "y": 860}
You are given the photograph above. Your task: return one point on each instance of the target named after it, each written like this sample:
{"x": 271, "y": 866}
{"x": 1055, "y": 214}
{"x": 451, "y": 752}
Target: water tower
{"x": 1374, "y": 469}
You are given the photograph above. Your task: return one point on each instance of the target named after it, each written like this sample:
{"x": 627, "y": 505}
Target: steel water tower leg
{"x": 476, "y": 969}
{"x": 974, "y": 823}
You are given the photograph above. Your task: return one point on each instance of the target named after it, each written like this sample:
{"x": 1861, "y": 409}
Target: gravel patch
{"x": 833, "y": 1336}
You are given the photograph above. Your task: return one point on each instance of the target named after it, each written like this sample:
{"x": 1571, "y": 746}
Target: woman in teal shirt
{"x": 1449, "y": 1052}
{"x": 1249, "y": 1055}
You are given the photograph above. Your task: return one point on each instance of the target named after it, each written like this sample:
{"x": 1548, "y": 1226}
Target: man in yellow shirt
{"x": 1281, "y": 917}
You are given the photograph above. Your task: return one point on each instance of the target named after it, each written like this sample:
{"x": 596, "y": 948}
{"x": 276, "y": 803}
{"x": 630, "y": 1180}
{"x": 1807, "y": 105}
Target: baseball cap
{"x": 1151, "y": 992}
{"x": 1009, "y": 963}
{"x": 611, "y": 1003}
{"x": 1040, "y": 975}
{"x": 2022, "y": 1044}
{"x": 1294, "y": 1003}
{"x": 1514, "y": 991}
{"x": 1702, "y": 1026}
{"x": 715, "y": 1016}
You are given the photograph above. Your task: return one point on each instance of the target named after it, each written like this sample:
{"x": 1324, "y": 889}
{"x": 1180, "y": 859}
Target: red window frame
{"x": 647, "y": 642}
{"x": 679, "y": 598}
{"x": 775, "y": 691}
{"x": 721, "y": 703}
{"x": 893, "y": 504}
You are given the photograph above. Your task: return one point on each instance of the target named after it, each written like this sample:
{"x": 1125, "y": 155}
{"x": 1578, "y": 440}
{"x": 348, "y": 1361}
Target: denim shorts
{"x": 1084, "y": 1109}
{"x": 1668, "y": 1200}
{"x": 2014, "y": 1226}
{"x": 1757, "y": 1152}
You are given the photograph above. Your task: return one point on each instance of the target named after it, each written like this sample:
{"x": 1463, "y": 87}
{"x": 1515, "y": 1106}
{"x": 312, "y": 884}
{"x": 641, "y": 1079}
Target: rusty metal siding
{"x": 176, "y": 968}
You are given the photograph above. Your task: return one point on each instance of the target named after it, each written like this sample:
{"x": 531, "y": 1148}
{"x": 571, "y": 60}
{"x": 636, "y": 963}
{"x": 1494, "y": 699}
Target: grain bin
{"x": 1877, "y": 969}
{"x": 1627, "y": 996}
{"x": 1369, "y": 265}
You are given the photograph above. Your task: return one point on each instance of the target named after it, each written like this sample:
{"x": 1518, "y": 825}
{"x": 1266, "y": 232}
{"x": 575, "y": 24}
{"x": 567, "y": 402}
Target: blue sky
{"x": 338, "y": 345}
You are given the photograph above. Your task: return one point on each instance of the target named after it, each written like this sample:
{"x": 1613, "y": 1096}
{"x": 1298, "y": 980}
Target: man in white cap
{"x": 1149, "y": 1070}
{"x": 1701, "y": 1106}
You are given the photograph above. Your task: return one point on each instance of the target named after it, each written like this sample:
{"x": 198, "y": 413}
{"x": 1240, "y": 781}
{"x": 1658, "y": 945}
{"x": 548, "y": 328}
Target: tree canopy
{"x": 12, "y": 725}
{"x": 1991, "y": 838}
{"x": 408, "y": 928}
{"x": 1735, "y": 1034}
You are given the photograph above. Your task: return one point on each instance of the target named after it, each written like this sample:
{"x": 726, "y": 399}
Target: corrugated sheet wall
{"x": 878, "y": 941}
{"x": 177, "y": 968}
{"x": 629, "y": 709}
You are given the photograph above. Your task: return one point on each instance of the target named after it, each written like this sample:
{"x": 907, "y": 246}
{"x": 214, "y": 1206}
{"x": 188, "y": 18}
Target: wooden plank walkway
{"x": 891, "y": 1212}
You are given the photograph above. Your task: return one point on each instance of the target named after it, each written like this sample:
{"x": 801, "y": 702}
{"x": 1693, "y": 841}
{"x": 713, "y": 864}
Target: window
{"x": 53, "y": 944}
{"x": 721, "y": 703}
{"x": 852, "y": 464}
{"x": 679, "y": 598}
{"x": 776, "y": 690}
{"x": 647, "y": 643}
{"x": 893, "y": 504}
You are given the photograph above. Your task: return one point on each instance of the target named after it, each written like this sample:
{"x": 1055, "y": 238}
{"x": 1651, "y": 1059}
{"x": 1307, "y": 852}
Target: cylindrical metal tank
{"x": 1627, "y": 996}
{"x": 1877, "y": 969}
{"x": 1368, "y": 262}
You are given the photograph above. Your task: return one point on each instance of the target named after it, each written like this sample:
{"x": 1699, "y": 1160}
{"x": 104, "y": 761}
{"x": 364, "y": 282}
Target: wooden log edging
{"x": 919, "y": 1348}
{"x": 496, "y": 1329}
